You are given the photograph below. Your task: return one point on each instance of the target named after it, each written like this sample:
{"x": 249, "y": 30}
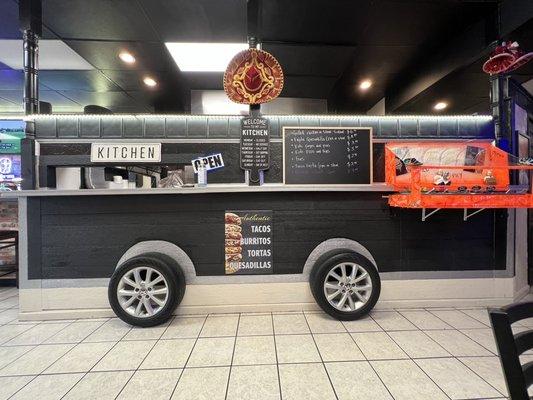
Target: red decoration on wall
{"x": 506, "y": 58}
{"x": 253, "y": 77}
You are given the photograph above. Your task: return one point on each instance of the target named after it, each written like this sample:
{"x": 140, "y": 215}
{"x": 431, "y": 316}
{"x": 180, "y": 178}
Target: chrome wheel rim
{"x": 347, "y": 286}
{"x": 142, "y": 292}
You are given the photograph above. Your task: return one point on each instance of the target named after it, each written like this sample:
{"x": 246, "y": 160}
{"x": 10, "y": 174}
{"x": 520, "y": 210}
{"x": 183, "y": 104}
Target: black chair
{"x": 517, "y": 377}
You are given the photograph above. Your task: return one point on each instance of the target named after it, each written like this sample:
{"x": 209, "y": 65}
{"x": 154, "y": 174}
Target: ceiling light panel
{"x": 441, "y": 105}
{"x": 366, "y": 84}
{"x": 53, "y": 55}
{"x": 203, "y": 57}
{"x": 148, "y": 81}
{"x": 128, "y": 58}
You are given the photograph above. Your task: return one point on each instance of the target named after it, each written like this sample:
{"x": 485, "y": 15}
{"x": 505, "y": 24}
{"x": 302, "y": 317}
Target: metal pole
{"x": 31, "y": 72}
{"x": 499, "y": 104}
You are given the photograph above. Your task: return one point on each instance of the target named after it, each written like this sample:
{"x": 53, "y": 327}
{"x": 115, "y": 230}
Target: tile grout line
{"x": 276, "y": 354}
{"x": 79, "y": 342}
{"x": 41, "y": 373}
{"x": 480, "y": 377}
{"x": 457, "y": 357}
{"x": 320, "y": 355}
{"x": 240, "y": 365}
{"x": 409, "y": 357}
{"x": 190, "y": 354}
{"x": 452, "y": 356}
{"x": 418, "y": 328}
{"x": 144, "y": 358}
{"x": 459, "y": 331}
{"x": 4, "y": 344}
{"x": 274, "y": 337}
{"x": 232, "y": 355}
{"x": 100, "y": 359}
{"x": 468, "y": 316}
{"x": 34, "y": 347}
{"x": 367, "y": 360}
{"x": 478, "y": 320}
{"x": 420, "y": 368}
{"x": 76, "y": 344}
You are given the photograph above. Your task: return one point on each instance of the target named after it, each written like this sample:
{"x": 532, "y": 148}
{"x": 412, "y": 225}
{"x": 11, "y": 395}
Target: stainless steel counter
{"x": 211, "y": 188}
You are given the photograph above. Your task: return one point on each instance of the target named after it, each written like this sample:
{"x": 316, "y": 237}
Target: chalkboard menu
{"x": 255, "y": 144}
{"x": 327, "y": 155}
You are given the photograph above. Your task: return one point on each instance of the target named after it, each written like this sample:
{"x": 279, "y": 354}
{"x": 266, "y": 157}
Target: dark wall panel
{"x": 85, "y": 236}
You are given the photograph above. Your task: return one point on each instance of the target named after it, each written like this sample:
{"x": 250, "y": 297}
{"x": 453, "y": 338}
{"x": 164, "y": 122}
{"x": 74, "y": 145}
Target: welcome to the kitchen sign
{"x": 125, "y": 152}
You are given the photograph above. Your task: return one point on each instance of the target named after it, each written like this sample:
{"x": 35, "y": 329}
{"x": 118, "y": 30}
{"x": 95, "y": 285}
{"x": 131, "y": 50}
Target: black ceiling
{"x": 324, "y": 46}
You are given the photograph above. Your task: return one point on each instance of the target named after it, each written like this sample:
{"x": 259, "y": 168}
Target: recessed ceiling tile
{"x": 133, "y": 80}
{"x": 204, "y": 80}
{"x": 50, "y": 96}
{"x": 4, "y": 102}
{"x": 104, "y": 55}
{"x": 380, "y": 60}
{"x": 53, "y": 54}
{"x": 198, "y": 20}
{"x": 57, "y": 99}
{"x": 104, "y": 99}
{"x": 339, "y": 22}
{"x": 311, "y": 60}
{"x": 15, "y": 96}
{"x": 11, "y": 79}
{"x": 98, "y": 19}
{"x": 138, "y": 109}
{"x": 164, "y": 101}
{"x": 307, "y": 87}
{"x": 93, "y": 81}
{"x": 9, "y": 20}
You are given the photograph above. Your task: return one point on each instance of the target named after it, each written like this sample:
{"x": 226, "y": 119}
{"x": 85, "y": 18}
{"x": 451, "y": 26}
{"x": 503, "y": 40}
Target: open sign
{"x": 212, "y": 162}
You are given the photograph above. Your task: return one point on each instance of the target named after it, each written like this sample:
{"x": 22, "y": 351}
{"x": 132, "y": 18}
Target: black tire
{"x": 168, "y": 269}
{"x": 321, "y": 269}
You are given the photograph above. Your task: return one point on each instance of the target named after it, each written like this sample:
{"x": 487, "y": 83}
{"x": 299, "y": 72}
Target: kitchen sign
{"x": 126, "y": 152}
{"x": 212, "y": 162}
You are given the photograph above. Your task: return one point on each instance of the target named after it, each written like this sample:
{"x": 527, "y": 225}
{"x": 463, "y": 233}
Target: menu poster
{"x": 255, "y": 144}
{"x": 248, "y": 242}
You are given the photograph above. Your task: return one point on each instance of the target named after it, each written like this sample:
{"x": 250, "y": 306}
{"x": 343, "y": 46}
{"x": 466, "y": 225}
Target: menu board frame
{"x": 371, "y": 144}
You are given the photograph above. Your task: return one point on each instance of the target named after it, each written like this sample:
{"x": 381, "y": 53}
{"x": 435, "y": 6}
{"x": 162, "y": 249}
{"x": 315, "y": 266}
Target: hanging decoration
{"x": 253, "y": 77}
{"x": 506, "y": 58}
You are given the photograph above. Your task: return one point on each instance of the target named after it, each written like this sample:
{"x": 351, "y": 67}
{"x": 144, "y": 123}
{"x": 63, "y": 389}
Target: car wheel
{"x": 345, "y": 285}
{"x": 145, "y": 290}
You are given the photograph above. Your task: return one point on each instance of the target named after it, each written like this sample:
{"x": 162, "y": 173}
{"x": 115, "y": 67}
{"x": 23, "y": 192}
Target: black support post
{"x": 31, "y": 73}
{"x": 500, "y": 104}
{"x": 253, "y": 18}
{"x": 30, "y": 19}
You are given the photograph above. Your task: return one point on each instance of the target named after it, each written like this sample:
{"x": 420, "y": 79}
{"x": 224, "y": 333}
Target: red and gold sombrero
{"x": 253, "y": 77}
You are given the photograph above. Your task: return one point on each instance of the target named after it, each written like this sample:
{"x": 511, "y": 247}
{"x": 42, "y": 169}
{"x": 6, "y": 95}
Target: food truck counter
{"x": 317, "y": 234}
{"x": 211, "y": 188}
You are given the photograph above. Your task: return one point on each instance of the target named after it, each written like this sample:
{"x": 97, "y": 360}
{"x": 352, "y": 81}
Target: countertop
{"x": 211, "y": 188}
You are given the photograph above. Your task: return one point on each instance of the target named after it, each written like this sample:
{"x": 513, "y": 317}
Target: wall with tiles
{"x": 220, "y": 127}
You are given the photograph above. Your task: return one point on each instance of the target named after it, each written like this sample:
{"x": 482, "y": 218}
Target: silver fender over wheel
{"x": 345, "y": 284}
{"x": 145, "y": 290}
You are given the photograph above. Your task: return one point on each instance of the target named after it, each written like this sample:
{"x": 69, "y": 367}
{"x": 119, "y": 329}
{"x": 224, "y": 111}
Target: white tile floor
{"x": 426, "y": 354}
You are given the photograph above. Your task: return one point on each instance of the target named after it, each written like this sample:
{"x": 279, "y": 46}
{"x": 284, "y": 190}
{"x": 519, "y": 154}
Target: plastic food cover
{"x": 462, "y": 174}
